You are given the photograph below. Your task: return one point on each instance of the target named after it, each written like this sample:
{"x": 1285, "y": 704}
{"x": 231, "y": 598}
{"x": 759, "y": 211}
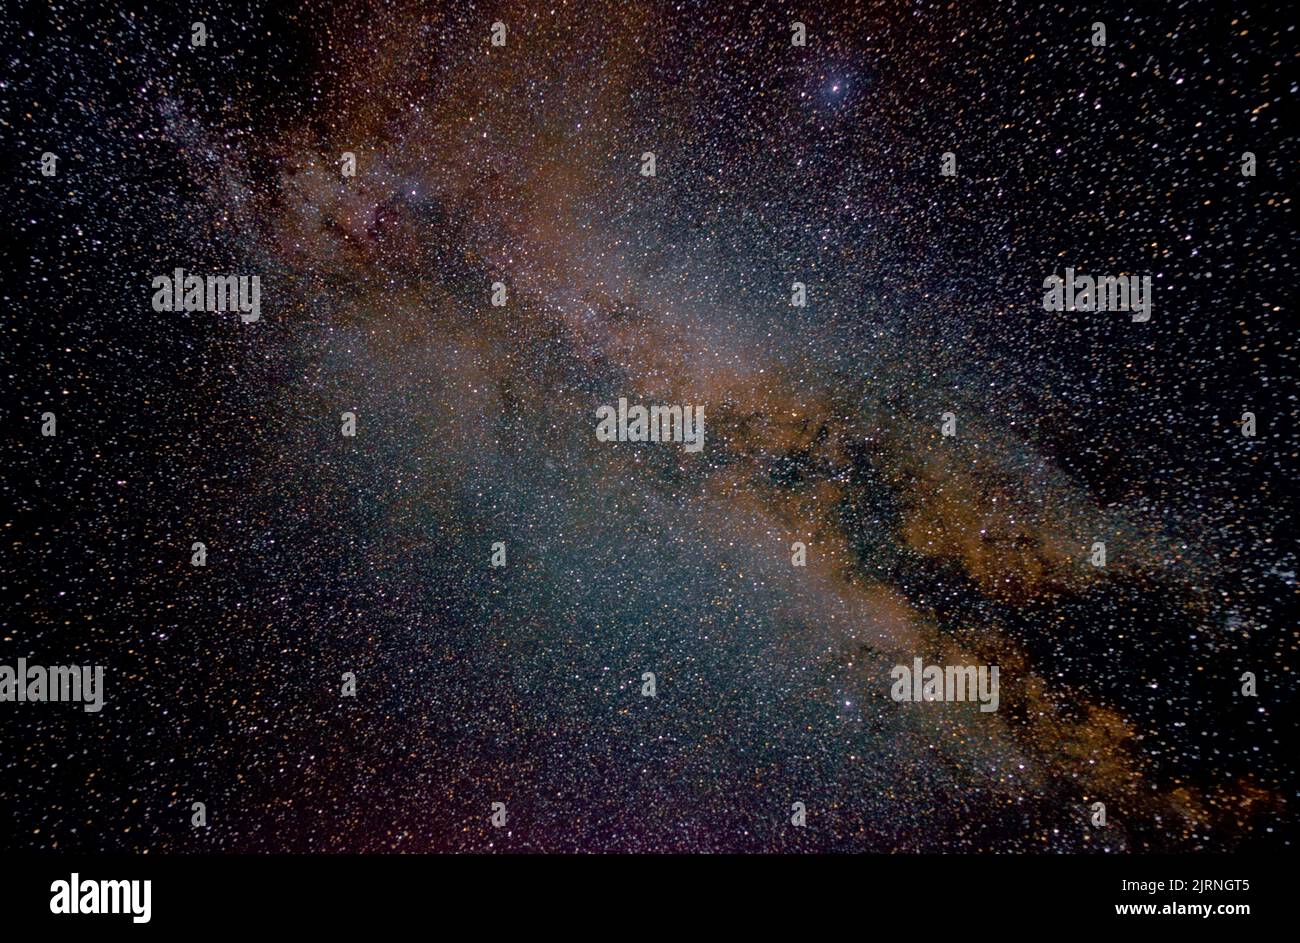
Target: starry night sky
{"x": 475, "y": 424}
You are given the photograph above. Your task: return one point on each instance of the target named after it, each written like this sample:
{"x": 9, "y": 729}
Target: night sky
{"x": 522, "y": 684}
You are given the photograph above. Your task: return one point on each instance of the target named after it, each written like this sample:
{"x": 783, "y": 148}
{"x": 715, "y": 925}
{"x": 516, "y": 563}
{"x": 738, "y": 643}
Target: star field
{"x": 522, "y": 164}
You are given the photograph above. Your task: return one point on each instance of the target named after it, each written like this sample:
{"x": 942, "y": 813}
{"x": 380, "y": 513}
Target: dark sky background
{"x": 476, "y": 424}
